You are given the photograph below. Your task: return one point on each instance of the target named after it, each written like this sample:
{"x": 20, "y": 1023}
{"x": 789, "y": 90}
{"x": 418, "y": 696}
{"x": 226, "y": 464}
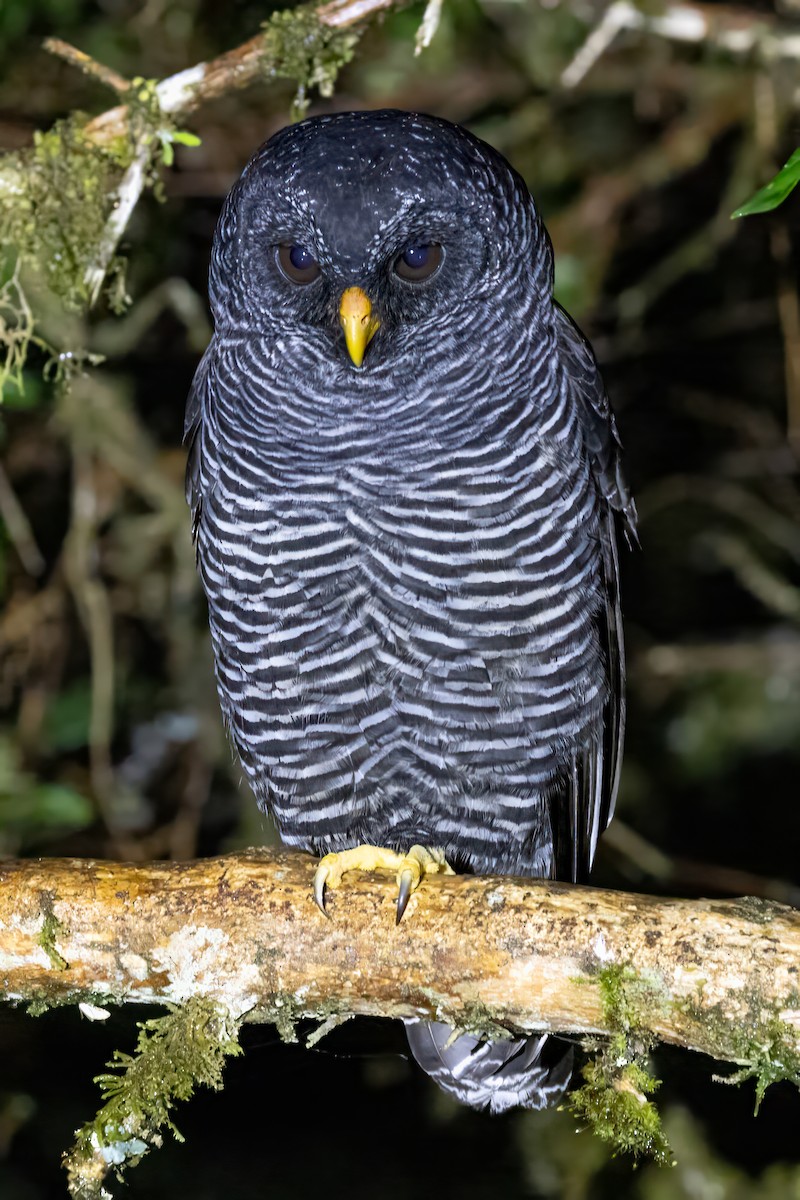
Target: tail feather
{"x": 532, "y": 1072}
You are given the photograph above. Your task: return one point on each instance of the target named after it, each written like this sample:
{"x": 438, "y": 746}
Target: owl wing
{"x": 595, "y": 768}
{"x": 198, "y": 405}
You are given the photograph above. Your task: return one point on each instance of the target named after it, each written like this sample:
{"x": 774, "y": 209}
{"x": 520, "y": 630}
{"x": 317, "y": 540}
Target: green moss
{"x": 55, "y": 215}
{"x": 52, "y": 929}
{"x": 55, "y": 201}
{"x": 297, "y": 46}
{"x": 617, "y": 1081}
{"x": 629, "y": 1001}
{"x": 38, "y": 1002}
{"x": 55, "y": 198}
{"x": 616, "y": 1107}
{"x": 174, "y": 1054}
{"x": 764, "y": 1045}
{"x": 475, "y": 1018}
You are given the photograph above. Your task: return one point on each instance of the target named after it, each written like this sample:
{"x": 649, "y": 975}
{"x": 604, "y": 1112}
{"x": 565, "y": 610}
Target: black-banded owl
{"x": 405, "y": 477}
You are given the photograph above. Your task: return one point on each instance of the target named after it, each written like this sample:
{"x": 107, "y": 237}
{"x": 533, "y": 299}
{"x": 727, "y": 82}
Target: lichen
{"x": 476, "y": 1018}
{"x": 283, "y": 1012}
{"x": 298, "y": 46}
{"x": 617, "y": 1080}
{"x": 174, "y": 1055}
{"x": 39, "y": 1001}
{"x": 755, "y": 909}
{"x": 628, "y": 998}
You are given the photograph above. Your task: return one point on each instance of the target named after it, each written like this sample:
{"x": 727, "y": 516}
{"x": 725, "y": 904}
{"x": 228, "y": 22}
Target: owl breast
{"x": 405, "y": 656}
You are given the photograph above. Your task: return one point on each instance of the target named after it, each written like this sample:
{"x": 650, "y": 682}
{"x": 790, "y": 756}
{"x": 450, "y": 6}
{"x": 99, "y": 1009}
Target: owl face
{"x": 366, "y": 233}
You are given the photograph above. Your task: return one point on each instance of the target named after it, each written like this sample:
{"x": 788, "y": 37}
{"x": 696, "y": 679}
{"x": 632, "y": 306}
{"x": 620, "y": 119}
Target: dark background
{"x": 695, "y": 321}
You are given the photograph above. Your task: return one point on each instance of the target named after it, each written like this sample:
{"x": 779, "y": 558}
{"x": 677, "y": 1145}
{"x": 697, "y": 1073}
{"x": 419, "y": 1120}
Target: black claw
{"x": 319, "y": 897}
{"x": 403, "y": 895}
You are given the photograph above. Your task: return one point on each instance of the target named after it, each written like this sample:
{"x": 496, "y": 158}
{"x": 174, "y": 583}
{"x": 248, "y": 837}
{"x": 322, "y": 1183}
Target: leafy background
{"x": 110, "y": 741}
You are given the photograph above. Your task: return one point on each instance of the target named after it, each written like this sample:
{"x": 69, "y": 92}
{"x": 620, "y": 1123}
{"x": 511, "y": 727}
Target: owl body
{"x": 411, "y": 565}
{"x": 401, "y": 627}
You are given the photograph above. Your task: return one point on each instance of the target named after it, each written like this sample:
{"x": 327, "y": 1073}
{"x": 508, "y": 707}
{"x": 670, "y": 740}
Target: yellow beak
{"x": 358, "y": 322}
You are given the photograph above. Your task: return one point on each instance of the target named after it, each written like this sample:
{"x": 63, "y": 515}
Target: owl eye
{"x": 419, "y": 262}
{"x": 297, "y": 263}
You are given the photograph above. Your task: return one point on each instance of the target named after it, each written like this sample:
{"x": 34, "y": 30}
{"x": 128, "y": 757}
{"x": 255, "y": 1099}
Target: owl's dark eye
{"x": 297, "y": 263}
{"x": 419, "y": 262}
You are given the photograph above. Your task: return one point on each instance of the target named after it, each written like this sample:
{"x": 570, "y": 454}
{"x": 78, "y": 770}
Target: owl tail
{"x": 530, "y": 1073}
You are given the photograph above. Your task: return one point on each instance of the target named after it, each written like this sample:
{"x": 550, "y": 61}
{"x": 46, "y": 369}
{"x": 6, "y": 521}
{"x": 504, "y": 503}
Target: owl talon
{"x": 409, "y": 870}
{"x": 320, "y": 878}
{"x": 406, "y": 887}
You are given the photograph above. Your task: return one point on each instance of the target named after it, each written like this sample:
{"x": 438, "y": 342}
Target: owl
{"x": 405, "y": 480}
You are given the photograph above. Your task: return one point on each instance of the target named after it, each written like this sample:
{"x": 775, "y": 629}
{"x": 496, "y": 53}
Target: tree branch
{"x": 733, "y": 30}
{"x": 277, "y": 50}
{"x": 715, "y": 976}
{"x": 188, "y": 90}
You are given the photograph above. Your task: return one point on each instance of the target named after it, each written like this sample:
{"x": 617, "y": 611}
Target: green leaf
{"x": 775, "y": 192}
{"x": 184, "y": 138}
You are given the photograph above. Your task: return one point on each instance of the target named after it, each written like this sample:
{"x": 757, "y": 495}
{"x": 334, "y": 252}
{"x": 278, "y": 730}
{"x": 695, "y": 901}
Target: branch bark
{"x": 715, "y": 976}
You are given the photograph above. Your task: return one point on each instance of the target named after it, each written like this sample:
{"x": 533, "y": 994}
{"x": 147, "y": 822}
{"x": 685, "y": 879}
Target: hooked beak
{"x": 358, "y": 322}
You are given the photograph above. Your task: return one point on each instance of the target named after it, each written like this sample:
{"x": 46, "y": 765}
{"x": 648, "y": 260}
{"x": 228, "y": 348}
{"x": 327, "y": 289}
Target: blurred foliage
{"x": 31, "y": 810}
{"x": 110, "y": 742}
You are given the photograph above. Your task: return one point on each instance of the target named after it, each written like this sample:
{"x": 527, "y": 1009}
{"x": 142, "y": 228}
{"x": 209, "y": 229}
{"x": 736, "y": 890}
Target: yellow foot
{"x": 409, "y": 869}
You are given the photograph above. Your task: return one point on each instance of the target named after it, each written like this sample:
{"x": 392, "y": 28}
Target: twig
{"x": 124, "y": 202}
{"x": 341, "y": 13}
{"x": 87, "y": 64}
{"x": 614, "y": 20}
{"x": 755, "y": 575}
{"x": 730, "y": 498}
{"x": 94, "y": 608}
{"x": 765, "y": 656}
{"x": 429, "y": 25}
{"x": 789, "y": 317}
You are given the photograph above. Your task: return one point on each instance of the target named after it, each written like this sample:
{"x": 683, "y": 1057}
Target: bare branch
{"x": 243, "y": 931}
{"x": 84, "y": 62}
{"x": 341, "y": 13}
{"x": 124, "y": 202}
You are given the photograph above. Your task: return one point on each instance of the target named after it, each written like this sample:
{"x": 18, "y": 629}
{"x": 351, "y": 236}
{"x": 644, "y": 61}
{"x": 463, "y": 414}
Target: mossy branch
{"x": 720, "y": 977}
{"x": 66, "y": 201}
{"x": 239, "y": 938}
{"x": 174, "y": 1055}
